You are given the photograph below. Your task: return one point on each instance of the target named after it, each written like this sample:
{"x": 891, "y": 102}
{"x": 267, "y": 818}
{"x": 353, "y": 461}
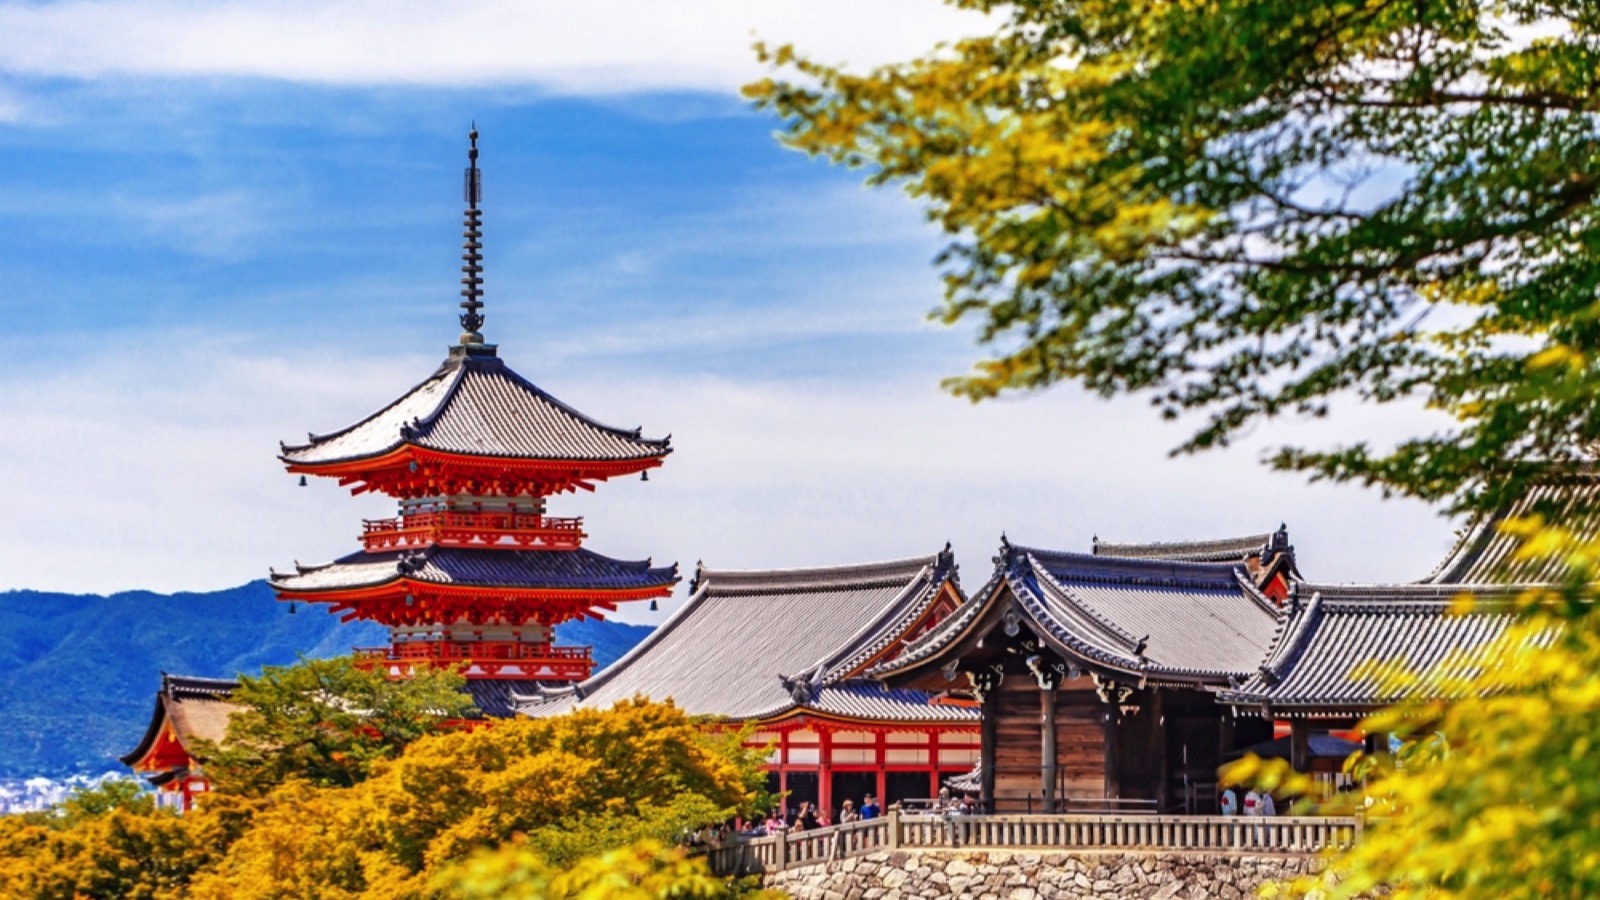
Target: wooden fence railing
{"x": 1221, "y": 834}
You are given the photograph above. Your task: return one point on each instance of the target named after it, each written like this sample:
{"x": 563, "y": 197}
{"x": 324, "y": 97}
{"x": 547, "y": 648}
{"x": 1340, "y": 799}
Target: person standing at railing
{"x": 1228, "y": 803}
{"x": 1267, "y": 807}
{"x": 805, "y": 819}
{"x": 1253, "y": 810}
{"x": 869, "y": 807}
{"x": 848, "y": 814}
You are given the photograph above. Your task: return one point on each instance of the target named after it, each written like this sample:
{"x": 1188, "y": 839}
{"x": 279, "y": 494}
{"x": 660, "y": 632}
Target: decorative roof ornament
{"x": 472, "y": 247}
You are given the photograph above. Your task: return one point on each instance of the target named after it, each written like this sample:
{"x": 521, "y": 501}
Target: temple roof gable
{"x": 755, "y": 644}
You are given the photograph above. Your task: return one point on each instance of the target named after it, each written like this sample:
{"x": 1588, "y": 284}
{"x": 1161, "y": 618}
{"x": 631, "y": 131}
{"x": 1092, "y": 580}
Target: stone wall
{"x": 1013, "y": 875}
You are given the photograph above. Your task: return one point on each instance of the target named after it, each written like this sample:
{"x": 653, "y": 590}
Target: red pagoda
{"x": 471, "y": 572}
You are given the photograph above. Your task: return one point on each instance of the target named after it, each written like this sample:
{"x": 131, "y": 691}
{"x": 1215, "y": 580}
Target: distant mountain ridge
{"x": 78, "y": 672}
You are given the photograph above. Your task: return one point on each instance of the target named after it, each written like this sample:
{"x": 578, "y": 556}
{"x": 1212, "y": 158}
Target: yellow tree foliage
{"x": 104, "y": 843}
{"x": 647, "y": 870}
{"x": 1495, "y": 793}
{"x": 581, "y": 805}
{"x": 559, "y": 789}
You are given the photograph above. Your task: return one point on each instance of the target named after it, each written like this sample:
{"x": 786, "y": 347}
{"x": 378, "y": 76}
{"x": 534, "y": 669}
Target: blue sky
{"x": 230, "y": 223}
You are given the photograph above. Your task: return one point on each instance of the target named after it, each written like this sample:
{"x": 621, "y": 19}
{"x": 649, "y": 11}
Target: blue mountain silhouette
{"x": 78, "y": 672}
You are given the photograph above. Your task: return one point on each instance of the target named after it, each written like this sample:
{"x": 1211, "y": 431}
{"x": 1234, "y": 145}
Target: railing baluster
{"x": 775, "y": 853}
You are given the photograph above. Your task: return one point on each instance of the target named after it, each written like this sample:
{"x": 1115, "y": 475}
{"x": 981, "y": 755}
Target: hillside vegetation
{"x": 78, "y": 671}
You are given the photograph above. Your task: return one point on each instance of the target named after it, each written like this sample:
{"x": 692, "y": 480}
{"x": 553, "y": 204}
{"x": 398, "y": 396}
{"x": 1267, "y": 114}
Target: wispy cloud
{"x": 154, "y": 467}
{"x": 224, "y": 225}
{"x": 564, "y": 46}
{"x": 11, "y": 107}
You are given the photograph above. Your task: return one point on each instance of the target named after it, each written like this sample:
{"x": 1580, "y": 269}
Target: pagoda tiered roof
{"x": 444, "y": 584}
{"x": 761, "y": 645}
{"x": 1135, "y": 618}
{"x": 474, "y": 410}
{"x": 1332, "y": 631}
{"x": 550, "y": 570}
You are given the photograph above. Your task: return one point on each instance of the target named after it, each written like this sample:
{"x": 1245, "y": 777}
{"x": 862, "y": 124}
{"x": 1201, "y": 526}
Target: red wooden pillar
{"x": 783, "y": 772}
{"x": 933, "y": 763}
{"x": 882, "y": 752}
{"x": 825, "y": 769}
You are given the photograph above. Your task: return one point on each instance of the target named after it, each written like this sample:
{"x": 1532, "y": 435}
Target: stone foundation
{"x": 1013, "y": 875}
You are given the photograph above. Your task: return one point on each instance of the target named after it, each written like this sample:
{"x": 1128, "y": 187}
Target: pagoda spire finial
{"x": 472, "y": 248}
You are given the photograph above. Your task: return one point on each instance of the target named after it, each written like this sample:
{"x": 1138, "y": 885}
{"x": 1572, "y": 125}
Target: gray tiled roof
{"x": 970, "y": 781}
{"x": 751, "y": 645}
{"x": 496, "y": 697}
{"x": 861, "y": 699}
{"x": 1485, "y": 556}
{"x": 1228, "y": 550}
{"x": 552, "y": 569}
{"x": 1188, "y": 620}
{"x": 1335, "y": 629}
{"x": 475, "y": 405}
{"x": 193, "y": 687}
{"x": 1191, "y": 618}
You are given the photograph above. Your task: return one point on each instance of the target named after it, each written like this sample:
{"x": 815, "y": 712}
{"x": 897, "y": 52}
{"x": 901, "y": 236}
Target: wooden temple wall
{"x": 1020, "y": 771}
{"x": 1157, "y": 749}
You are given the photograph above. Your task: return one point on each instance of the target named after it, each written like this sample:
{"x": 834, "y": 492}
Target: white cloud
{"x": 564, "y": 46}
{"x": 154, "y": 467}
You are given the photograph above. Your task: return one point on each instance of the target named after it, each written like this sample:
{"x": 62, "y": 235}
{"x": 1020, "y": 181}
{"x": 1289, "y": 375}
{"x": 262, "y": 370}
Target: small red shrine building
{"x": 471, "y": 572}
{"x": 188, "y": 711}
{"x": 786, "y": 651}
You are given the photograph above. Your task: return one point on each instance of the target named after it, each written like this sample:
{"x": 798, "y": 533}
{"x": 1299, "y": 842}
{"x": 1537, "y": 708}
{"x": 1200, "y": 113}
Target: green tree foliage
{"x": 1245, "y": 208}
{"x": 328, "y": 722}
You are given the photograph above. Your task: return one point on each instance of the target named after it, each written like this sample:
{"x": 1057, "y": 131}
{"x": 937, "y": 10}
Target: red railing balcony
{"x": 483, "y": 659}
{"x": 512, "y": 531}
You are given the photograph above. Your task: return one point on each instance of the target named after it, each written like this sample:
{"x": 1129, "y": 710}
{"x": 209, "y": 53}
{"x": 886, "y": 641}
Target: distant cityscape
{"x": 19, "y": 795}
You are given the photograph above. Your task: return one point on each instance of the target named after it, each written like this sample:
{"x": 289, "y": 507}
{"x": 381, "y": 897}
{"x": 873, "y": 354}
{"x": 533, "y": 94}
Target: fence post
{"x": 783, "y": 849}
{"x": 894, "y": 829}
